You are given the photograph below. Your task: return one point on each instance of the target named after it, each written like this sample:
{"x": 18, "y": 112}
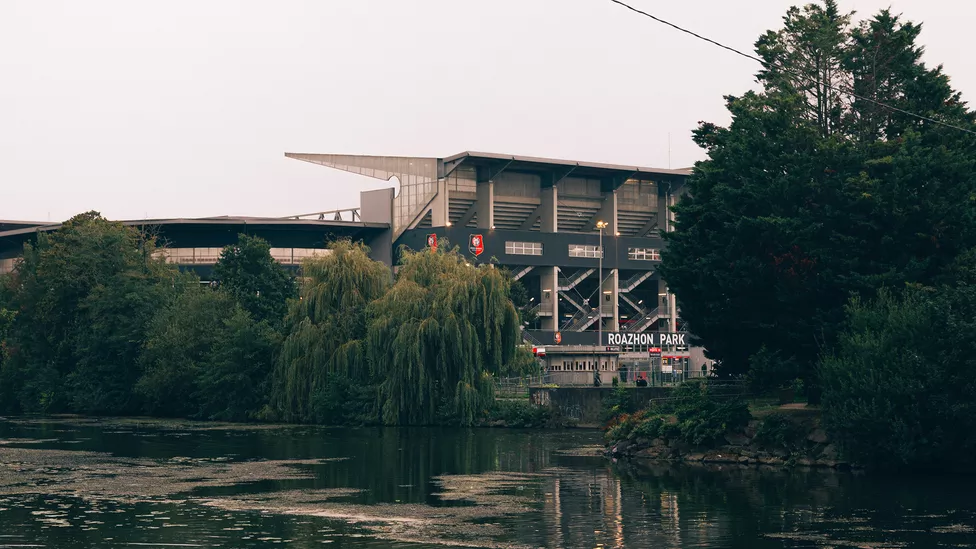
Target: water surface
{"x": 78, "y": 483}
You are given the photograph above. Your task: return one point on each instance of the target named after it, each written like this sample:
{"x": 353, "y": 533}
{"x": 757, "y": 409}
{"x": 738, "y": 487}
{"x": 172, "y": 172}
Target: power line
{"x": 784, "y": 69}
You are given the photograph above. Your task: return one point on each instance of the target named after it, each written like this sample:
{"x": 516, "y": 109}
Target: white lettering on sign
{"x": 647, "y": 339}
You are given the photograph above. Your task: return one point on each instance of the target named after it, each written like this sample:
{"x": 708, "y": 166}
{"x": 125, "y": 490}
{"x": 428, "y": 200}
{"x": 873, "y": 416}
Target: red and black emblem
{"x": 476, "y": 244}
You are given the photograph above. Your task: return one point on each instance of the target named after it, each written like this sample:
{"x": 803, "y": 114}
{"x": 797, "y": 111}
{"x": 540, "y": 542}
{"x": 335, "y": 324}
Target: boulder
{"x": 622, "y": 447}
{"x": 736, "y": 439}
{"x": 817, "y": 436}
{"x": 751, "y": 428}
{"x": 681, "y": 447}
{"x": 829, "y": 453}
{"x": 770, "y": 460}
{"x": 651, "y": 453}
{"x": 721, "y": 456}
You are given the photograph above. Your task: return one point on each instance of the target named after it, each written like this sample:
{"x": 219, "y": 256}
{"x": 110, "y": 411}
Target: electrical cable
{"x": 784, "y": 69}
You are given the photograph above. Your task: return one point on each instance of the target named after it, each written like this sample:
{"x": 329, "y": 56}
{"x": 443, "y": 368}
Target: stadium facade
{"x": 583, "y": 238}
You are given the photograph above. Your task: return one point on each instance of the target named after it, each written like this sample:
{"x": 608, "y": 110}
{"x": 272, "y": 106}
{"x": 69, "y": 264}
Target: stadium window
{"x": 523, "y": 248}
{"x": 643, "y": 254}
{"x": 583, "y": 250}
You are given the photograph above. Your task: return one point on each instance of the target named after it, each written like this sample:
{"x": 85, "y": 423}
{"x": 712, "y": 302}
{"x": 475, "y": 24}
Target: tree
{"x": 205, "y": 357}
{"x": 233, "y": 383}
{"x": 6, "y": 320}
{"x": 83, "y": 295}
{"x": 438, "y": 337}
{"x": 810, "y": 196}
{"x": 248, "y": 272}
{"x": 324, "y": 333}
{"x": 520, "y": 298}
{"x": 180, "y": 340}
{"x": 899, "y": 389}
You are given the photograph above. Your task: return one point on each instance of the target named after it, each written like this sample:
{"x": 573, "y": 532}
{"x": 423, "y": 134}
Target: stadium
{"x": 583, "y": 238}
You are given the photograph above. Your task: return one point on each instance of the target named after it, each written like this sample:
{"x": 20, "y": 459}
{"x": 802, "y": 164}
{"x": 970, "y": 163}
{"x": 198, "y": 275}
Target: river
{"x": 80, "y": 482}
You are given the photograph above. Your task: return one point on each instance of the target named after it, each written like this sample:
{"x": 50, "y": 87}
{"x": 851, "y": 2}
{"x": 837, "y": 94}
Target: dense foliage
{"x": 206, "y": 358}
{"x": 94, "y": 320}
{"x": 248, "y": 273}
{"x": 84, "y": 296}
{"x": 438, "y": 337}
{"x": 810, "y": 196}
{"x": 899, "y": 389}
{"x": 693, "y": 415}
{"x": 323, "y": 360}
{"x": 421, "y": 350}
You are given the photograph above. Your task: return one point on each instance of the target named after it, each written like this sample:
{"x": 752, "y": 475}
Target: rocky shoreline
{"x": 811, "y": 449}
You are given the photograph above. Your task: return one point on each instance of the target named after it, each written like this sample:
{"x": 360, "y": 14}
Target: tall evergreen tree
{"x": 811, "y": 195}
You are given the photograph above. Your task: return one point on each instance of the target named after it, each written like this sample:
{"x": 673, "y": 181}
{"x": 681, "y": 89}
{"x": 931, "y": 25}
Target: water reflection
{"x": 77, "y": 483}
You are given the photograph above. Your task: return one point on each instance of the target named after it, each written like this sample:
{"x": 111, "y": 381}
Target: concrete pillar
{"x": 609, "y": 300}
{"x": 549, "y": 214}
{"x": 549, "y": 298}
{"x": 439, "y": 210}
{"x": 607, "y": 213}
{"x": 672, "y": 302}
{"x": 662, "y": 298}
{"x": 485, "y": 205}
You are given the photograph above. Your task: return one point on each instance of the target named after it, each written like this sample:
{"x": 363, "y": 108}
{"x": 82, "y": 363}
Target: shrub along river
{"x": 80, "y": 482}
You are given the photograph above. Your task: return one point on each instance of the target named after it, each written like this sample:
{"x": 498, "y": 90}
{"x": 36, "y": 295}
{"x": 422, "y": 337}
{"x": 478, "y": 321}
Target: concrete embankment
{"x": 584, "y": 405}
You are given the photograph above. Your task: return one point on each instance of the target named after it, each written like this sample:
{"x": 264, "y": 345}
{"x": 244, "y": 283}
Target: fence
{"x": 518, "y": 387}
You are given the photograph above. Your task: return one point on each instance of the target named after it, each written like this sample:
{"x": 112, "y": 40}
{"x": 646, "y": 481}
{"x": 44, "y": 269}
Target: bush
{"x": 692, "y": 415}
{"x": 770, "y": 371}
{"x": 778, "y": 431}
{"x": 899, "y": 390}
{"x": 342, "y": 402}
{"x": 619, "y": 402}
{"x": 520, "y": 413}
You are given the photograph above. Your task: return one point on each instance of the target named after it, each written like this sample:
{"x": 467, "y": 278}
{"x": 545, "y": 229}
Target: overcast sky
{"x": 185, "y": 108}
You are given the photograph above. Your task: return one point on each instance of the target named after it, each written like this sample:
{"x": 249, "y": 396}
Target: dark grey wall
{"x": 377, "y": 207}
{"x": 548, "y": 337}
{"x": 585, "y": 404}
{"x": 555, "y": 247}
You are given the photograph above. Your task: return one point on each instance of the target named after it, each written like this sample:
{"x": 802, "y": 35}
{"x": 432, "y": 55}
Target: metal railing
{"x": 523, "y": 272}
{"x": 526, "y": 336}
{"x": 330, "y": 215}
{"x": 641, "y": 322}
{"x": 635, "y": 281}
{"x": 569, "y": 299}
{"x": 572, "y": 324}
{"x": 568, "y": 283}
{"x": 518, "y": 387}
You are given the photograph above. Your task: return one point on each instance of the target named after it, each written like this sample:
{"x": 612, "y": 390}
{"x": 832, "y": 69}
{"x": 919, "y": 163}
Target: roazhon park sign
{"x": 646, "y": 339}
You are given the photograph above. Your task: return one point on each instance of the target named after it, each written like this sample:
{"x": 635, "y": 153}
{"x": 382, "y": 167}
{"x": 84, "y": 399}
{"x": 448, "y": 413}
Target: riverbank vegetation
{"x": 825, "y": 243}
{"x": 94, "y": 321}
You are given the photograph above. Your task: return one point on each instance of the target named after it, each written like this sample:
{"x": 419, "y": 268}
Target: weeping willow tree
{"x": 325, "y": 328}
{"x": 437, "y": 338}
